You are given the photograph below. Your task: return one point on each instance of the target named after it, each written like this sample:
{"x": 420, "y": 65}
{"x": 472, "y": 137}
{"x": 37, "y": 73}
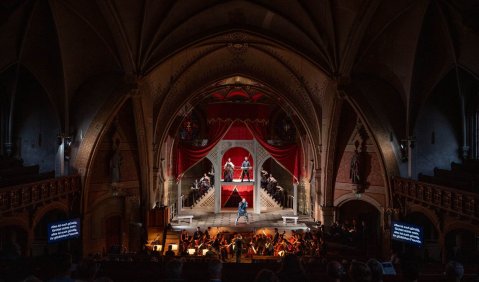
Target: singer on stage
{"x": 245, "y": 167}
{"x": 228, "y": 174}
{"x": 242, "y": 210}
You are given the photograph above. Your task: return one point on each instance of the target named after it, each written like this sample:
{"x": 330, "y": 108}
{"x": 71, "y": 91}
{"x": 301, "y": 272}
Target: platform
{"x": 226, "y": 221}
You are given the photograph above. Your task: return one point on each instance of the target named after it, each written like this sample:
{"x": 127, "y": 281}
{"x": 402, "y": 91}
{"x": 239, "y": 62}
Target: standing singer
{"x": 245, "y": 166}
{"x": 242, "y": 210}
{"x": 228, "y": 174}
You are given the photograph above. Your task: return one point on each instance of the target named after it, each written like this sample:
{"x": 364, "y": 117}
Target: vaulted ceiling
{"x": 392, "y": 50}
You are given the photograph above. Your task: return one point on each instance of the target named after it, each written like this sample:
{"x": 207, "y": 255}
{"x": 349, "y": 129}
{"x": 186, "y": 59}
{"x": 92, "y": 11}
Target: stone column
{"x": 316, "y": 185}
{"x": 256, "y": 193}
{"x": 178, "y": 197}
{"x": 295, "y": 198}
{"x": 328, "y": 214}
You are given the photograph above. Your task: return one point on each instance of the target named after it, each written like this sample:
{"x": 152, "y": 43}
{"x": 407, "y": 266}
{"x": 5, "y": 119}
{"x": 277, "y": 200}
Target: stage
{"x": 225, "y": 221}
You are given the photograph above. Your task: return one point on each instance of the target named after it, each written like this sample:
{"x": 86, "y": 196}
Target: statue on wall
{"x": 115, "y": 162}
{"x": 354, "y": 170}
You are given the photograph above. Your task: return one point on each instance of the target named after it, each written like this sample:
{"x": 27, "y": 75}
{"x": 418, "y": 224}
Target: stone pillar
{"x": 178, "y": 197}
{"x": 328, "y": 214}
{"x": 316, "y": 185}
{"x": 295, "y": 198}
{"x": 256, "y": 193}
{"x": 217, "y": 194}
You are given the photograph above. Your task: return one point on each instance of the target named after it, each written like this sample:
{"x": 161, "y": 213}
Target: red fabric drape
{"x": 287, "y": 156}
{"x": 189, "y": 155}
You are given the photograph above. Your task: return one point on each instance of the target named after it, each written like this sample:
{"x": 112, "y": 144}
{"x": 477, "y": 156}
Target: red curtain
{"x": 189, "y": 155}
{"x": 287, "y": 156}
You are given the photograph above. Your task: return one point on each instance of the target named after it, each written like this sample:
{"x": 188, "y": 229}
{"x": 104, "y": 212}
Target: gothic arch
{"x": 429, "y": 214}
{"x": 91, "y": 140}
{"x": 275, "y": 70}
{"x": 338, "y": 202}
{"x": 59, "y": 206}
{"x": 452, "y": 225}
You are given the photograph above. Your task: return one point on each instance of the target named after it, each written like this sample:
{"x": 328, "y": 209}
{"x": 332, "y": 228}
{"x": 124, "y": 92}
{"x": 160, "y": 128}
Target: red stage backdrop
{"x": 230, "y": 197}
{"x": 237, "y": 155}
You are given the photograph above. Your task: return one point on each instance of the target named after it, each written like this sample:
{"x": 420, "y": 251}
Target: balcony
{"x": 17, "y": 198}
{"x": 453, "y": 201}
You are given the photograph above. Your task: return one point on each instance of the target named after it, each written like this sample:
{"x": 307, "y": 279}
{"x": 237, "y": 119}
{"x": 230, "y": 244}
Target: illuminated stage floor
{"x": 226, "y": 220}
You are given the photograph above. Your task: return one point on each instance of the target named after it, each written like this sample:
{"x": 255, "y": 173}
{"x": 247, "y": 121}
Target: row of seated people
{"x": 270, "y": 185}
{"x": 464, "y": 176}
{"x": 60, "y": 267}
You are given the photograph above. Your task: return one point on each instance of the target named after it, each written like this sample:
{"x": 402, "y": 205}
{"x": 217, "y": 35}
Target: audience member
{"x": 215, "y": 268}
{"x": 291, "y": 269}
{"x": 376, "y": 270}
{"x": 170, "y": 252}
{"x": 266, "y": 275}
{"x": 62, "y": 263}
{"x": 454, "y": 271}
{"x": 335, "y": 271}
{"x": 359, "y": 272}
{"x": 410, "y": 270}
{"x": 174, "y": 270}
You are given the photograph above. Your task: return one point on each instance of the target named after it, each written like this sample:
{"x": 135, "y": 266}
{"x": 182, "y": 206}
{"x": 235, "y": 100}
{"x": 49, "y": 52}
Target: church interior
{"x": 350, "y": 128}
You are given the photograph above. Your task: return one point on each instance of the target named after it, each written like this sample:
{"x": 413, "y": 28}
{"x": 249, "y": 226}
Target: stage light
{"x": 191, "y": 252}
{"x": 174, "y": 247}
{"x": 159, "y": 248}
{"x": 204, "y": 251}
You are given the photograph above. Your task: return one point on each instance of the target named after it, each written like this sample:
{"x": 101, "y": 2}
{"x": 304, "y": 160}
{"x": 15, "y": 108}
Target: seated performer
{"x": 242, "y": 210}
{"x": 264, "y": 178}
{"x": 245, "y": 167}
{"x": 205, "y": 180}
{"x": 228, "y": 174}
{"x": 272, "y": 183}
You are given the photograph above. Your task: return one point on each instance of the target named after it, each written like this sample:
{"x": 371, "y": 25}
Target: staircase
{"x": 267, "y": 201}
{"x": 207, "y": 200}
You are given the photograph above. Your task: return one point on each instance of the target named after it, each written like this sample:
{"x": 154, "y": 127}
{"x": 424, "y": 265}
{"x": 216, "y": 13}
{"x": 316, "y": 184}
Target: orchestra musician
{"x": 272, "y": 183}
{"x": 198, "y": 234}
{"x": 229, "y": 168}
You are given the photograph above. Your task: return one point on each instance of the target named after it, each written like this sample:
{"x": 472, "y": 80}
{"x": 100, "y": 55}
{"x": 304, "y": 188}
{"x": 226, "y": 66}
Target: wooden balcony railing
{"x": 451, "y": 200}
{"x": 22, "y": 196}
